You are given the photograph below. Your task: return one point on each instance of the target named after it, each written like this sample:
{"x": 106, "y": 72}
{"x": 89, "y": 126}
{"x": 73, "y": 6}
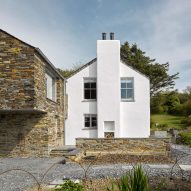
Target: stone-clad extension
{"x": 30, "y": 123}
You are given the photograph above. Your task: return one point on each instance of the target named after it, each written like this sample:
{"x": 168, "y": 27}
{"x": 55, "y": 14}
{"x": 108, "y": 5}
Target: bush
{"x": 186, "y": 121}
{"x": 135, "y": 180}
{"x": 187, "y": 108}
{"x": 177, "y": 110}
{"x": 70, "y": 186}
{"x": 152, "y": 123}
{"x": 157, "y": 109}
{"x": 163, "y": 125}
{"x": 185, "y": 138}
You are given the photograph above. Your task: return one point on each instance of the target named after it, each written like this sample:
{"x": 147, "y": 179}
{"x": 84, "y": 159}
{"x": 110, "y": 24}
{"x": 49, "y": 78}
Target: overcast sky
{"x": 66, "y": 30}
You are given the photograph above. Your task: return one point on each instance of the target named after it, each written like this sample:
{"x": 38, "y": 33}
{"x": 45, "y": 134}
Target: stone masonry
{"x": 30, "y": 123}
{"x": 132, "y": 146}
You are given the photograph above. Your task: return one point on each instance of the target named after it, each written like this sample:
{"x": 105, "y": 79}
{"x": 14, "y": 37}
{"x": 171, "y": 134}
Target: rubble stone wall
{"x": 133, "y": 146}
{"x": 16, "y": 74}
{"x": 38, "y": 126}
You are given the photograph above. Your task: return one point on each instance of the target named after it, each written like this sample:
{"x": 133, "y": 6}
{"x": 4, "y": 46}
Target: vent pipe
{"x": 103, "y": 36}
{"x": 112, "y": 36}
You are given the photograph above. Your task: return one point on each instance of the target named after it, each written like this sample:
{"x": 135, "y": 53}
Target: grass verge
{"x": 164, "y": 122}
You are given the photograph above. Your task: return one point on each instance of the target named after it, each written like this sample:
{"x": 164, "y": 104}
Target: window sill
{"x": 89, "y": 100}
{"x": 51, "y": 100}
{"x": 127, "y": 100}
{"x": 91, "y": 128}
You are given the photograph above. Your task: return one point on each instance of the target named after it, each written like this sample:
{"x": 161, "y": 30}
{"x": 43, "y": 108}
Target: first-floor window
{"x": 89, "y": 88}
{"x": 50, "y": 87}
{"x": 90, "y": 121}
{"x": 127, "y": 89}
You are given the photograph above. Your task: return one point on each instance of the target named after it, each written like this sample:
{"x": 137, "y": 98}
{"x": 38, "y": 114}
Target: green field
{"x": 165, "y": 122}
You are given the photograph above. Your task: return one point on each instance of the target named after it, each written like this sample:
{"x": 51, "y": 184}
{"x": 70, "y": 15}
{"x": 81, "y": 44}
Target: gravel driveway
{"x": 17, "y": 180}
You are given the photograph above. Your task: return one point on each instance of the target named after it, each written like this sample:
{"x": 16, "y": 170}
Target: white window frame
{"x": 126, "y": 88}
{"x": 90, "y": 116}
{"x": 89, "y": 80}
{"x": 51, "y": 87}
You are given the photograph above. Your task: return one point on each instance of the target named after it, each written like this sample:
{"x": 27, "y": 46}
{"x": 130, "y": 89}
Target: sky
{"x": 67, "y": 30}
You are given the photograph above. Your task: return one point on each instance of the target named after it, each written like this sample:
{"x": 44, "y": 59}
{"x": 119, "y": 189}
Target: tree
{"x": 67, "y": 72}
{"x": 157, "y": 103}
{"x": 187, "y": 92}
{"x": 160, "y": 80}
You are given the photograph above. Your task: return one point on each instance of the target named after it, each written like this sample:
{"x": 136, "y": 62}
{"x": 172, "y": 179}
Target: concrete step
{"x": 62, "y": 151}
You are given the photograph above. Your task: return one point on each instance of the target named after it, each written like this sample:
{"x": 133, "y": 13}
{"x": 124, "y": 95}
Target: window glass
{"x": 87, "y": 121}
{"x": 127, "y": 89}
{"x": 123, "y": 93}
{"x": 93, "y": 85}
{"x": 123, "y": 85}
{"x": 90, "y": 88}
{"x": 94, "y": 121}
{"x": 50, "y": 87}
{"x": 87, "y": 94}
{"x": 129, "y": 93}
{"x": 86, "y": 85}
{"x": 130, "y": 84}
{"x": 90, "y": 120}
{"x": 93, "y": 94}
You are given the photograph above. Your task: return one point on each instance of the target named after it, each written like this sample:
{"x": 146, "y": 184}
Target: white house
{"x": 107, "y": 98}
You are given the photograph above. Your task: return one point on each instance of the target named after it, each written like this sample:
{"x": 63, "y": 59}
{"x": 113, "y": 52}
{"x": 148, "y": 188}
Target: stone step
{"x": 62, "y": 151}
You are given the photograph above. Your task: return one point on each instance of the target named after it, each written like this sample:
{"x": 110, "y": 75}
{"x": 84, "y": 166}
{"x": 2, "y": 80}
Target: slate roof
{"x": 94, "y": 60}
{"x": 39, "y": 52}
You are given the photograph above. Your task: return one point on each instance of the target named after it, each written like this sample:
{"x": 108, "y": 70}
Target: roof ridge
{"x": 93, "y": 60}
{"x": 37, "y": 50}
{"x": 82, "y": 67}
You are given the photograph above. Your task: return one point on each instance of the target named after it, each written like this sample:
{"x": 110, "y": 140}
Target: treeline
{"x": 173, "y": 102}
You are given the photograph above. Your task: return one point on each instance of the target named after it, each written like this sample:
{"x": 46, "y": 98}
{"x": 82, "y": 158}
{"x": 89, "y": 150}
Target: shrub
{"x": 185, "y": 138}
{"x": 186, "y": 121}
{"x": 70, "y": 186}
{"x": 135, "y": 180}
{"x": 187, "y": 108}
{"x": 178, "y": 109}
{"x": 163, "y": 125}
{"x": 152, "y": 123}
{"x": 157, "y": 109}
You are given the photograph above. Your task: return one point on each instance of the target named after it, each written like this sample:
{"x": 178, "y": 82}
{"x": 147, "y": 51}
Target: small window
{"x": 90, "y": 121}
{"x": 127, "y": 89}
{"x": 90, "y": 89}
{"x": 50, "y": 87}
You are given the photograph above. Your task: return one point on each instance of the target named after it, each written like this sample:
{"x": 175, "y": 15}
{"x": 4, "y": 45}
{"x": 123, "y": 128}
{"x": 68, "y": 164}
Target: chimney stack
{"x": 112, "y": 36}
{"x": 103, "y": 36}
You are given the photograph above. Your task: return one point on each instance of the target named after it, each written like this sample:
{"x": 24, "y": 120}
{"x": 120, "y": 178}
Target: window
{"x": 90, "y": 121}
{"x": 50, "y": 87}
{"x": 90, "y": 88}
{"x": 127, "y": 89}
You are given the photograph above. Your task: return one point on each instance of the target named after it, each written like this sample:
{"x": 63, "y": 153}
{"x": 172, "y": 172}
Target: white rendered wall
{"x": 131, "y": 119}
{"x": 108, "y": 84}
{"x": 77, "y": 107}
{"x": 135, "y": 115}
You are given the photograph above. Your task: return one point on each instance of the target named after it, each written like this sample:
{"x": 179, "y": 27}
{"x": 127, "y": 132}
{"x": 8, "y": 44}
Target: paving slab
{"x": 160, "y": 166}
{"x": 185, "y": 167}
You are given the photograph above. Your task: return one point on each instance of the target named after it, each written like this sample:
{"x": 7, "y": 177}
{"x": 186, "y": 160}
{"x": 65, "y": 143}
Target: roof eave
{"x": 49, "y": 63}
{"x": 82, "y": 67}
{"x": 39, "y": 52}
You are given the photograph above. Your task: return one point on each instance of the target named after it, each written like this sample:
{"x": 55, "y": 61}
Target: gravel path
{"x": 20, "y": 180}
{"x": 182, "y": 153}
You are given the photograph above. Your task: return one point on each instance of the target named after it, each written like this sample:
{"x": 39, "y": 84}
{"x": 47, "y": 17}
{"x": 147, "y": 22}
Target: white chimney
{"x": 108, "y": 84}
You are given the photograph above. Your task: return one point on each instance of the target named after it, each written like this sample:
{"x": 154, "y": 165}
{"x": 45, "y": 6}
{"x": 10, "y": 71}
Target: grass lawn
{"x": 165, "y": 121}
